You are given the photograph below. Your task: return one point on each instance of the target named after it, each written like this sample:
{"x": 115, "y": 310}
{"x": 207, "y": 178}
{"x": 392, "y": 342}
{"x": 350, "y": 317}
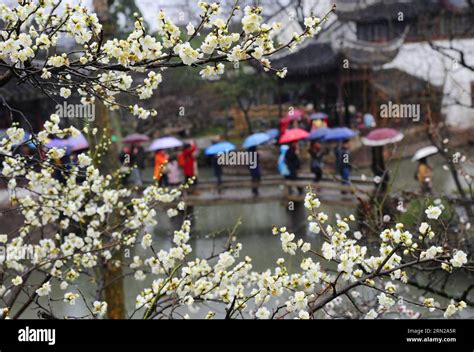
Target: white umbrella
{"x": 424, "y": 152}
{"x": 165, "y": 143}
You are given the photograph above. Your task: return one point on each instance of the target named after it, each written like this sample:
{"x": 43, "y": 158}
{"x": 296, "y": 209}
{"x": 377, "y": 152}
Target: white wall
{"x": 420, "y": 60}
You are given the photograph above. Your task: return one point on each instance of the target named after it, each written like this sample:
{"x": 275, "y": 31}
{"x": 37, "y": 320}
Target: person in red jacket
{"x": 187, "y": 159}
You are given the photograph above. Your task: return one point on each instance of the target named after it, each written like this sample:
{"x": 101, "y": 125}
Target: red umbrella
{"x": 382, "y": 136}
{"x": 292, "y": 135}
{"x": 136, "y": 138}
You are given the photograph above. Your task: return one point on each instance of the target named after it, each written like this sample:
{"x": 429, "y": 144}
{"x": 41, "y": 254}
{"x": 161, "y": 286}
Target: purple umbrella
{"x": 318, "y": 116}
{"x": 165, "y": 143}
{"x": 77, "y": 143}
{"x": 318, "y": 134}
{"x": 57, "y": 143}
{"x": 71, "y": 144}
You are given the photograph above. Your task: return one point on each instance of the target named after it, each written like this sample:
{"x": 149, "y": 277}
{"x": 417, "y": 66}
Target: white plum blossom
{"x": 71, "y": 298}
{"x": 314, "y": 227}
{"x": 385, "y": 301}
{"x": 433, "y": 212}
{"x": 262, "y": 313}
{"x": 65, "y": 92}
{"x": 372, "y": 314}
{"x": 99, "y": 308}
{"x": 453, "y": 308}
{"x": 304, "y": 315}
{"x": 187, "y": 54}
{"x": 459, "y": 259}
{"x": 147, "y": 240}
{"x": 17, "y": 281}
{"x": 44, "y": 290}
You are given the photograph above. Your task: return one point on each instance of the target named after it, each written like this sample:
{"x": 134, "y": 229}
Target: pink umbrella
{"x": 136, "y": 138}
{"x": 292, "y": 135}
{"x": 382, "y": 136}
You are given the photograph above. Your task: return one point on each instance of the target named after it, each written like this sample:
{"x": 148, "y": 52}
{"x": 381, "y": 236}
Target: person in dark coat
{"x": 138, "y": 164}
{"x": 317, "y": 155}
{"x": 217, "y": 168}
{"x": 255, "y": 172}
{"x": 343, "y": 161}
{"x": 379, "y": 169}
{"x": 292, "y": 160}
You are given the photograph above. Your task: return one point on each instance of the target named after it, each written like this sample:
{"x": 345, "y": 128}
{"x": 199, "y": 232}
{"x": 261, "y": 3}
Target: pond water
{"x": 213, "y": 224}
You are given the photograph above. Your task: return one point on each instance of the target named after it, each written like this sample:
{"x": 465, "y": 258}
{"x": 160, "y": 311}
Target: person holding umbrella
{"x": 424, "y": 172}
{"x": 158, "y": 146}
{"x": 186, "y": 160}
{"x": 217, "y": 169}
{"x": 255, "y": 171}
{"x": 174, "y": 174}
{"x": 424, "y": 175}
{"x": 317, "y": 154}
{"x": 159, "y": 171}
{"x": 251, "y": 144}
{"x": 137, "y": 156}
{"x": 378, "y": 168}
{"x": 215, "y": 151}
{"x": 293, "y": 163}
{"x": 282, "y": 167}
{"x": 377, "y": 139}
{"x": 343, "y": 161}
{"x": 342, "y": 151}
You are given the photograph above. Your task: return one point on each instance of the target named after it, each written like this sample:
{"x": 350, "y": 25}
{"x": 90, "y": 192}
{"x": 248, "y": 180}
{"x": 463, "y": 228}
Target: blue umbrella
{"x": 339, "y": 134}
{"x": 256, "y": 139}
{"x": 221, "y": 147}
{"x": 273, "y": 133}
{"x": 320, "y": 133}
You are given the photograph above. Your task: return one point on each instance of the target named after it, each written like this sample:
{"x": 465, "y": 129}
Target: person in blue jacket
{"x": 282, "y": 167}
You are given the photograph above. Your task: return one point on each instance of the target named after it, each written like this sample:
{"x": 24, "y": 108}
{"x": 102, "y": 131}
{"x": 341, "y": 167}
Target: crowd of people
{"x": 171, "y": 168}
{"x": 175, "y": 167}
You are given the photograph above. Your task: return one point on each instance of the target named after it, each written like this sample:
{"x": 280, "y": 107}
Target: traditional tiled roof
{"x": 318, "y": 57}
{"x": 371, "y": 10}
{"x": 313, "y": 58}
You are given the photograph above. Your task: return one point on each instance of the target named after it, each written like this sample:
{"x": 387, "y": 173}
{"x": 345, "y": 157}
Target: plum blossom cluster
{"x": 314, "y": 291}
{"x": 102, "y": 69}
